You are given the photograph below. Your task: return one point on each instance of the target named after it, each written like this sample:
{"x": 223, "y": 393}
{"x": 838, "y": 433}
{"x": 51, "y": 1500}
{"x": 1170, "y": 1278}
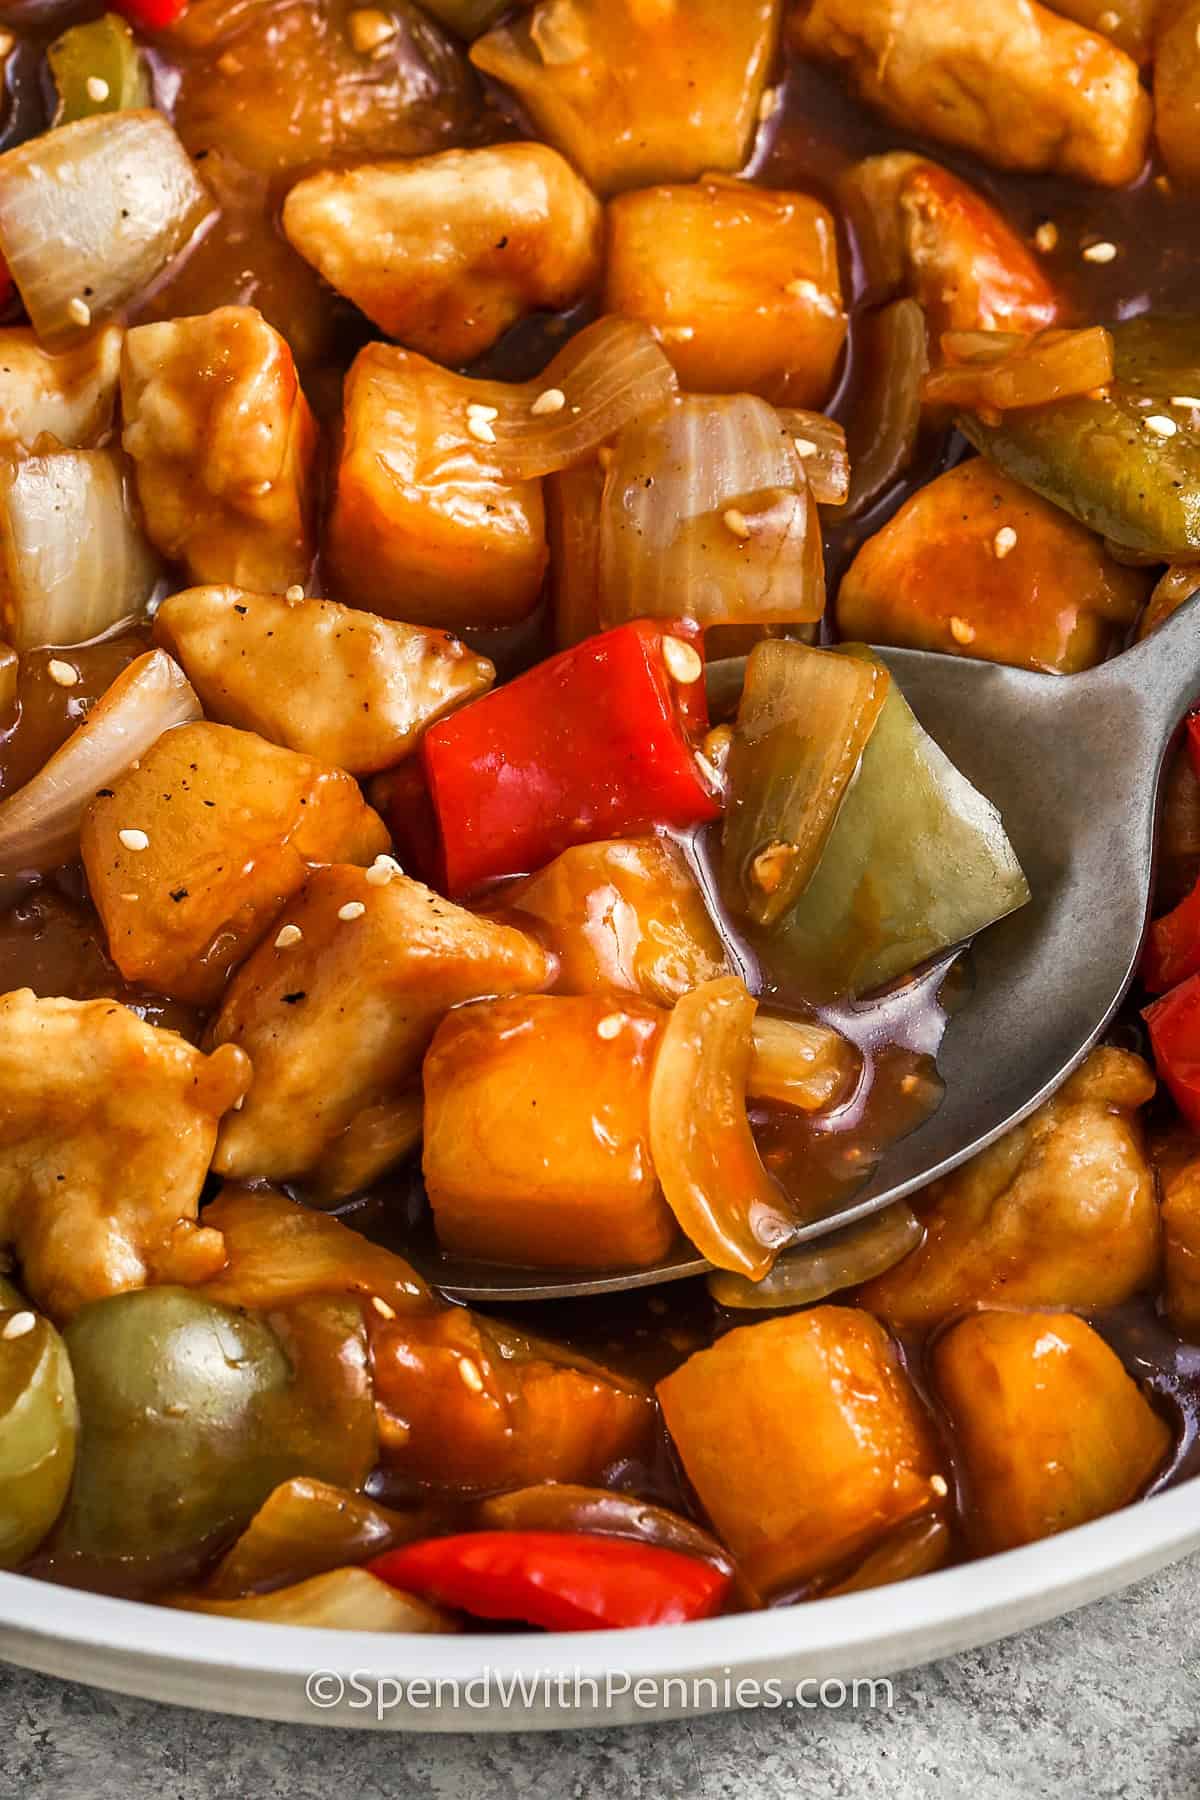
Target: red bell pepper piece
{"x": 561, "y": 1580}
{"x": 597, "y": 742}
{"x": 1172, "y": 950}
{"x": 1174, "y": 1023}
{"x": 151, "y": 15}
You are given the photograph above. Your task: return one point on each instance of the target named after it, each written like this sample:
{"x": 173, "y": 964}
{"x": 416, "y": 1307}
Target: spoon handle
{"x": 1164, "y": 669}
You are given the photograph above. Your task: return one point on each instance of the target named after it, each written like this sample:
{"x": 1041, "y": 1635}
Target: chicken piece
{"x": 537, "y": 1133}
{"x": 624, "y": 914}
{"x": 423, "y": 524}
{"x": 337, "y": 1018}
{"x": 1181, "y": 1246}
{"x": 637, "y": 91}
{"x": 740, "y": 284}
{"x": 224, "y": 447}
{"x": 977, "y": 565}
{"x": 446, "y": 252}
{"x": 804, "y": 1442}
{"x": 201, "y": 842}
{"x": 1177, "y": 92}
{"x": 69, "y": 395}
{"x": 928, "y": 234}
{"x": 1130, "y": 24}
{"x": 107, "y": 1126}
{"x": 324, "y": 679}
{"x": 1050, "y": 1429}
{"x": 1015, "y": 83}
{"x": 1060, "y": 1211}
{"x": 462, "y": 1401}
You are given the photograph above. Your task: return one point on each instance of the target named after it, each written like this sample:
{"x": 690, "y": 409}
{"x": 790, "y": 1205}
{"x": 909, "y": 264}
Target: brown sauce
{"x": 51, "y": 941}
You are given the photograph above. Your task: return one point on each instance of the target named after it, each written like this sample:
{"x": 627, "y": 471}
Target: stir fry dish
{"x": 462, "y": 466}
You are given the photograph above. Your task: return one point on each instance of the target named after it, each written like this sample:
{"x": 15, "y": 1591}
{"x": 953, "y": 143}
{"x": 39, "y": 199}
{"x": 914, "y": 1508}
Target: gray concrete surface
{"x": 1103, "y": 1705}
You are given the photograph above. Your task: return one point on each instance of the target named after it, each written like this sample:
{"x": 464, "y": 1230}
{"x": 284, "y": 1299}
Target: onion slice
{"x": 341, "y": 1600}
{"x": 999, "y": 371}
{"x": 607, "y": 375}
{"x": 561, "y": 1506}
{"x": 73, "y": 560}
{"x": 804, "y": 720}
{"x": 820, "y": 443}
{"x": 884, "y": 429}
{"x": 843, "y": 1260}
{"x": 307, "y": 1527}
{"x": 801, "y": 1064}
{"x": 707, "y": 512}
{"x": 39, "y": 824}
{"x": 700, "y": 1138}
{"x": 573, "y": 501}
{"x": 91, "y": 214}
{"x": 467, "y": 18}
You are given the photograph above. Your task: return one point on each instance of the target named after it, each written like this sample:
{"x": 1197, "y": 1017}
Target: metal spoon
{"x": 1074, "y": 764}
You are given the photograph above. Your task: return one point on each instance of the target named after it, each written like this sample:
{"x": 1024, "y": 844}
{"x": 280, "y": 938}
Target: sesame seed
{"x": 79, "y": 311}
{"x": 470, "y": 1374}
{"x": 1184, "y": 400}
{"x": 1108, "y": 21}
{"x": 772, "y": 863}
{"x": 289, "y": 934}
{"x": 805, "y": 447}
{"x": 19, "y": 1325}
{"x": 910, "y": 1084}
{"x": 369, "y": 29}
{"x": 479, "y": 428}
{"x": 606, "y": 456}
{"x": 682, "y": 660}
{"x": 1161, "y": 426}
{"x": 294, "y": 593}
{"x": 134, "y": 839}
{"x": 131, "y": 897}
{"x": 1004, "y": 541}
{"x": 7, "y": 42}
{"x": 735, "y": 521}
{"x": 552, "y": 401}
{"x": 610, "y": 1025}
{"x": 382, "y": 1308}
{"x": 677, "y": 334}
{"x": 768, "y": 106}
{"x": 97, "y": 88}
{"x": 1046, "y": 236}
{"x": 940, "y": 1485}
{"x": 477, "y": 410}
{"x": 383, "y": 870}
{"x": 65, "y": 674}
{"x": 1104, "y": 252}
{"x": 803, "y": 289}
{"x": 961, "y": 631}
{"x": 353, "y": 909}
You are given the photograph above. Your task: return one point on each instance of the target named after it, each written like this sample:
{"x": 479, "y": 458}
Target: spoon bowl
{"x": 1074, "y": 765}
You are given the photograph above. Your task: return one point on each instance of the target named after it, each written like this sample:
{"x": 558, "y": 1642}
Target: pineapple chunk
{"x": 337, "y": 1019}
{"x": 739, "y": 282}
{"x": 446, "y": 252}
{"x": 224, "y": 446}
{"x": 635, "y": 91}
{"x": 423, "y": 524}
{"x": 1060, "y": 1211}
{"x": 1177, "y": 91}
{"x": 537, "y": 1128}
{"x": 624, "y": 914}
{"x": 200, "y": 843}
{"x": 804, "y": 1441}
{"x": 1021, "y": 87}
{"x": 1051, "y": 1430}
{"x": 332, "y": 682}
{"x": 69, "y": 394}
{"x": 977, "y": 565}
{"x": 108, "y": 1126}
{"x": 931, "y": 234}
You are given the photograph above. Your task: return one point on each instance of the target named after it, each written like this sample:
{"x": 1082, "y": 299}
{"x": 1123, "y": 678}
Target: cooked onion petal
{"x": 609, "y": 373}
{"x": 39, "y": 824}
{"x": 998, "y": 371}
{"x": 843, "y": 1260}
{"x": 561, "y": 1506}
{"x": 820, "y": 443}
{"x": 91, "y": 214}
{"x": 700, "y": 1138}
{"x": 804, "y": 720}
{"x": 707, "y": 513}
{"x": 801, "y": 1064}
{"x": 573, "y": 500}
{"x": 467, "y": 18}
{"x": 307, "y": 1527}
{"x": 914, "y": 1548}
{"x": 884, "y": 429}
{"x": 1178, "y": 584}
{"x": 73, "y": 560}
{"x": 341, "y": 1600}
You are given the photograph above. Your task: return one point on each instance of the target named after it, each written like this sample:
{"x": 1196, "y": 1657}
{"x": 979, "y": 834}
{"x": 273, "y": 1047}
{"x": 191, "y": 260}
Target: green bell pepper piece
{"x": 103, "y": 53}
{"x": 1112, "y": 463}
{"x": 38, "y": 1428}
